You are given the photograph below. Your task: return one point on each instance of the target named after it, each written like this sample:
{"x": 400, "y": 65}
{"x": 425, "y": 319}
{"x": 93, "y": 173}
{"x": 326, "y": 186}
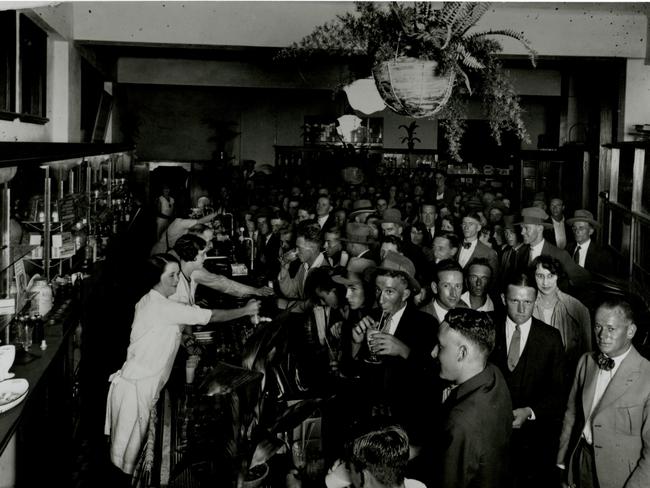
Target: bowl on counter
{"x": 12, "y": 392}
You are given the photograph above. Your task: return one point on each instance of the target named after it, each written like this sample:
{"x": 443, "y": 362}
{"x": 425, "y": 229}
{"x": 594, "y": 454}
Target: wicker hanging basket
{"x": 410, "y": 86}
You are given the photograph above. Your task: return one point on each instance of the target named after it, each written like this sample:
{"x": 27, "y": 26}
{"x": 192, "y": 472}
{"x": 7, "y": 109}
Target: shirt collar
{"x": 511, "y": 325}
{"x": 538, "y": 245}
{"x": 619, "y": 359}
{"x": 398, "y": 315}
{"x": 585, "y": 245}
{"x": 440, "y": 312}
{"x": 317, "y": 262}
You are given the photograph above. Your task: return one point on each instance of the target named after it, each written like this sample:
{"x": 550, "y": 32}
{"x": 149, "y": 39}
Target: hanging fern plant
{"x": 385, "y": 37}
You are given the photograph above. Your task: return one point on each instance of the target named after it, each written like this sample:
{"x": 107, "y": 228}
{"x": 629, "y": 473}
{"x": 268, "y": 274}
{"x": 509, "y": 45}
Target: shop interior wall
{"x": 177, "y": 122}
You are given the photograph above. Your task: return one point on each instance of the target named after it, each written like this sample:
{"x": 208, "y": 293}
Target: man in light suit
{"x": 605, "y": 439}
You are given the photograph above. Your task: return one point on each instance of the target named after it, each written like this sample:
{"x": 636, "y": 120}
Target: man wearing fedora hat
{"x": 533, "y": 222}
{"x": 392, "y": 224}
{"x": 361, "y": 209}
{"x": 585, "y": 252}
{"x": 358, "y": 239}
{"x": 404, "y": 346}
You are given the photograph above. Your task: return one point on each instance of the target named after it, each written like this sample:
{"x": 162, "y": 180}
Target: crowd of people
{"x": 449, "y": 315}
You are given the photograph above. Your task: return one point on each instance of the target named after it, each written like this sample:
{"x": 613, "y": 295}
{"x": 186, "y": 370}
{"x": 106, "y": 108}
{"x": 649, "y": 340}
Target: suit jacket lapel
{"x": 627, "y": 373}
{"x": 589, "y": 389}
{"x": 501, "y": 348}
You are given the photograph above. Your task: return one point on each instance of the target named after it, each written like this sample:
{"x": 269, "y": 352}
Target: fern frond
{"x": 532, "y": 54}
{"x": 466, "y": 80}
{"x": 468, "y": 59}
{"x": 449, "y": 12}
{"x": 474, "y": 12}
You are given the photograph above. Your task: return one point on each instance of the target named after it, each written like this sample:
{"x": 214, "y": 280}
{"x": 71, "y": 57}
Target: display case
{"x": 55, "y": 199}
{"x": 53, "y": 194}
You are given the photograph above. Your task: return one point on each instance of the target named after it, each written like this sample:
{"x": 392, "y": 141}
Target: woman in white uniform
{"x": 154, "y": 341}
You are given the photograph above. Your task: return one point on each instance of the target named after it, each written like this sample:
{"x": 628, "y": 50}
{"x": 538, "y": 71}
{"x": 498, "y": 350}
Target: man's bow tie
{"x": 467, "y": 245}
{"x": 605, "y": 362}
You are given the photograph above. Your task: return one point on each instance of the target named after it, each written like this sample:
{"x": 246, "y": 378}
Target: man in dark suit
{"x": 590, "y": 255}
{"x": 403, "y": 348}
{"x": 605, "y": 438}
{"x": 324, "y": 215}
{"x": 474, "y": 445}
{"x": 532, "y": 230}
{"x": 473, "y": 248}
{"x": 530, "y": 355}
{"x": 559, "y": 234}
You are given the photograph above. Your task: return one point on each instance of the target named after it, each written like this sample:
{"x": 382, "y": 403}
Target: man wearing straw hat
{"x": 585, "y": 252}
{"x": 533, "y": 223}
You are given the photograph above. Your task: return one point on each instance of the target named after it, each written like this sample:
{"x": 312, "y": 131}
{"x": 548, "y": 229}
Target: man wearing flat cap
{"x": 403, "y": 348}
{"x": 587, "y": 253}
{"x": 534, "y": 221}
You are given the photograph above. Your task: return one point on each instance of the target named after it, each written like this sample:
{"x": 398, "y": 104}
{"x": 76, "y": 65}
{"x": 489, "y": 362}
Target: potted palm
{"x": 250, "y": 396}
{"x": 425, "y": 61}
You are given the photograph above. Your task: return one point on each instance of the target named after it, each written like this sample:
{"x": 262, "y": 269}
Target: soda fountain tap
{"x": 242, "y": 239}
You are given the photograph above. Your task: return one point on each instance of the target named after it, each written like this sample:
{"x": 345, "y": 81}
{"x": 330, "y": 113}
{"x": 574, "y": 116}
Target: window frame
{"x": 32, "y": 65}
{"x": 8, "y": 55}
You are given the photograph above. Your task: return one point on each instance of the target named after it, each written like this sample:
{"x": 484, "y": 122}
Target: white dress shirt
{"x": 394, "y": 321}
{"x": 465, "y": 254}
{"x": 604, "y": 377}
{"x": 488, "y": 306}
{"x": 524, "y": 330}
{"x": 584, "y": 247}
{"x": 441, "y": 313}
{"x": 535, "y": 250}
{"x": 322, "y": 220}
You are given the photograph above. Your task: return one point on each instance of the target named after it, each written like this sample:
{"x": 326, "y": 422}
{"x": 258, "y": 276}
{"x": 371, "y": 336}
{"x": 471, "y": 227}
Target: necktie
{"x": 467, "y": 245}
{"x": 576, "y": 255}
{"x": 384, "y": 323}
{"x": 300, "y": 279}
{"x": 446, "y": 393}
{"x": 605, "y": 362}
{"x": 513, "y": 352}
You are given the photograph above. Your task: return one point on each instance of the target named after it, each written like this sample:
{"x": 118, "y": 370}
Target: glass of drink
{"x": 371, "y": 331}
